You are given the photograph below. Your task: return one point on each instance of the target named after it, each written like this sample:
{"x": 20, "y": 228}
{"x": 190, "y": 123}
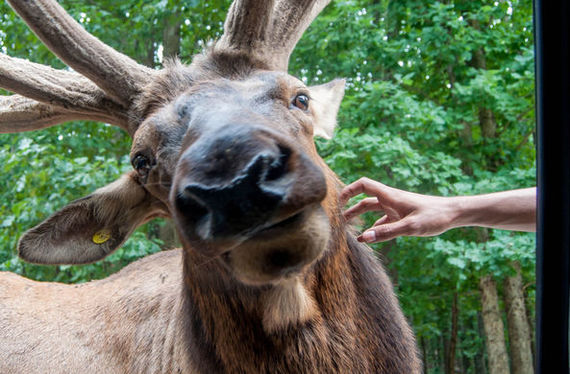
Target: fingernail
{"x": 369, "y": 236}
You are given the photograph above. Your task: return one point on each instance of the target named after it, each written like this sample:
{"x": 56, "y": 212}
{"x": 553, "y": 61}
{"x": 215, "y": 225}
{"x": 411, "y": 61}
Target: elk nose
{"x": 244, "y": 203}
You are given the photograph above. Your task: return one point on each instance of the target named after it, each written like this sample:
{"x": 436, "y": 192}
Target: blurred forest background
{"x": 439, "y": 100}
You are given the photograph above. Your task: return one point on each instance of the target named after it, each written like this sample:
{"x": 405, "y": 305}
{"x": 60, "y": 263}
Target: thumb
{"x": 386, "y": 231}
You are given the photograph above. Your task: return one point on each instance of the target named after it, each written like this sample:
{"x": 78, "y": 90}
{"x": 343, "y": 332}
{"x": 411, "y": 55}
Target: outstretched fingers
{"x": 363, "y": 185}
{"x": 363, "y": 206}
{"x": 396, "y": 222}
{"x": 385, "y": 232}
{"x": 383, "y": 220}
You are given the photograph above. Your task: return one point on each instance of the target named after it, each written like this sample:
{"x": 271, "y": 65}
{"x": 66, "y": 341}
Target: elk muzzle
{"x": 249, "y": 190}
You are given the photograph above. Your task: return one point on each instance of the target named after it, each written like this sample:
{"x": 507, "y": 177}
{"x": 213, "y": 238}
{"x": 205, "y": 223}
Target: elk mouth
{"x": 272, "y": 228}
{"x": 283, "y": 250}
{"x": 285, "y": 224}
{"x": 273, "y": 253}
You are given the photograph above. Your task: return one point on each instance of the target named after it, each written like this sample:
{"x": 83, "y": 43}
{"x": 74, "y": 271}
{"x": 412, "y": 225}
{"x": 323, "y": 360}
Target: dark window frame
{"x": 552, "y": 66}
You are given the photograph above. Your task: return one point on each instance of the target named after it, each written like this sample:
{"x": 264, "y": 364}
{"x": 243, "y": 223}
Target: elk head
{"x": 224, "y": 146}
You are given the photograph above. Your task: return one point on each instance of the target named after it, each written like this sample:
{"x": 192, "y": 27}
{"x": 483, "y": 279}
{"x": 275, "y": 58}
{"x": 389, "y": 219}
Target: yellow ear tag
{"x": 102, "y": 236}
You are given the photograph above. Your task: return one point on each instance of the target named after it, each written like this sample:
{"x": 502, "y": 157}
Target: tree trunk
{"x": 494, "y": 329}
{"x": 167, "y": 234}
{"x": 529, "y": 306}
{"x": 450, "y": 356}
{"x": 441, "y": 351}
{"x": 424, "y": 353}
{"x": 171, "y": 36}
{"x": 386, "y": 255}
{"x": 147, "y": 57}
{"x": 480, "y": 367}
{"x": 519, "y": 335}
{"x": 488, "y": 123}
{"x": 486, "y": 118}
{"x": 465, "y": 364}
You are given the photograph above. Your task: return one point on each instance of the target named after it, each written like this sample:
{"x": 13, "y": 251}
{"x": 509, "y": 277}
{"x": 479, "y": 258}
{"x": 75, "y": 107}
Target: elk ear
{"x": 325, "y": 103}
{"x": 91, "y": 228}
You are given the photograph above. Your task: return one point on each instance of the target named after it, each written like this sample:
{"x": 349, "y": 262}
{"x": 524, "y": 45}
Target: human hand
{"x": 406, "y": 213}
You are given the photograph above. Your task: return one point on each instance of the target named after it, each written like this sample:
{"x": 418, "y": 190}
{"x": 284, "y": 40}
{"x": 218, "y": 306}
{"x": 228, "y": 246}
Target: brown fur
{"x": 354, "y": 324}
{"x": 292, "y": 293}
{"x": 109, "y": 326}
{"x": 338, "y": 314}
{"x": 201, "y": 320}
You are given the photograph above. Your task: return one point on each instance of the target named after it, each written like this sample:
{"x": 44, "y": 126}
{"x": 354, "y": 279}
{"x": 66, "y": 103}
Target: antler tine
{"x": 118, "y": 75}
{"x": 268, "y": 30}
{"x": 246, "y": 26}
{"x": 291, "y": 19}
{"x": 18, "y": 114}
{"x": 67, "y": 91}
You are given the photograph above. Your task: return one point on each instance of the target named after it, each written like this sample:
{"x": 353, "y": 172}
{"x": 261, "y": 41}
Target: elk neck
{"x": 350, "y": 311}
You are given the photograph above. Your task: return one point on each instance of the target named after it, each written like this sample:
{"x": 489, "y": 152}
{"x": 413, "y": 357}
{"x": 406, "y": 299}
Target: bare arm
{"x": 411, "y": 214}
{"x": 508, "y": 210}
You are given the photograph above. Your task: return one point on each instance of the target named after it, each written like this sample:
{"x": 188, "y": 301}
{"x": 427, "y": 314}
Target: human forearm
{"x": 411, "y": 214}
{"x": 509, "y": 210}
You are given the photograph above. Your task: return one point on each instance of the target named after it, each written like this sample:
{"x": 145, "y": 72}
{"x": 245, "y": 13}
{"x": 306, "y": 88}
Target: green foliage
{"x": 420, "y": 74}
{"x": 41, "y": 174}
{"x": 43, "y": 171}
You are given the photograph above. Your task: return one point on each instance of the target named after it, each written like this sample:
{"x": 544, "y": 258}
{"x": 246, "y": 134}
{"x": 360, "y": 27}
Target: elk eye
{"x": 141, "y": 164}
{"x": 301, "y": 101}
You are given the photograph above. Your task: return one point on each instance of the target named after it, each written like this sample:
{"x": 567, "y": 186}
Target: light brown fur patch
{"x": 287, "y": 304}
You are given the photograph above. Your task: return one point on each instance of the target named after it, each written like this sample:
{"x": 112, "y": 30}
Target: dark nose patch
{"x": 245, "y": 202}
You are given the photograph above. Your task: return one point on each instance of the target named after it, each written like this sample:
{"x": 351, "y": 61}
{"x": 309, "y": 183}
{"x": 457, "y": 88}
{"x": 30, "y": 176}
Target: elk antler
{"x": 268, "y": 30}
{"x": 290, "y": 20}
{"x": 65, "y": 91}
{"x": 118, "y": 75}
{"x": 18, "y": 113}
{"x": 246, "y": 24}
{"x": 109, "y": 82}
{"x": 105, "y": 86}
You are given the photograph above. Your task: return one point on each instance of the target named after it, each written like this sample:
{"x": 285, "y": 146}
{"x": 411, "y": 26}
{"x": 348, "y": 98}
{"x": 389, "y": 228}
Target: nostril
{"x": 242, "y": 200}
{"x": 279, "y": 167}
{"x": 192, "y": 209}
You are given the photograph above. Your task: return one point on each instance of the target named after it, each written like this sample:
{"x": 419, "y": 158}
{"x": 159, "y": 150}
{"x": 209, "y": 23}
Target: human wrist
{"x": 462, "y": 211}
{"x": 440, "y": 214}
